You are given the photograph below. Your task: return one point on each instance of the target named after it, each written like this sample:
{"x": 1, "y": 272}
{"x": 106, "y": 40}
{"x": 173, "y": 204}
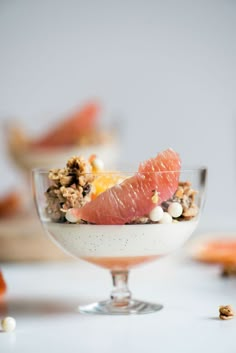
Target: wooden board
{"x": 23, "y": 239}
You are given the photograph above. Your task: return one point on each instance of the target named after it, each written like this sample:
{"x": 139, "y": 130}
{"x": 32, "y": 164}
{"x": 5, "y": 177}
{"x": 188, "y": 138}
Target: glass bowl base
{"x": 107, "y": 307}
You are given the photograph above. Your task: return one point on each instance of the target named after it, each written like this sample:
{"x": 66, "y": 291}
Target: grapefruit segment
{"x": 68, "y": 132}
{"x": 221, "y": 251}
{"x": 133, "y": 198}
{"x": 167, "y": 161}
{"x": 3, "y": 286}
{"x": 10, "y": 204}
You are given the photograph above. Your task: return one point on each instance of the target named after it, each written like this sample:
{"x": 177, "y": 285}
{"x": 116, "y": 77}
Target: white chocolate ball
{"x": 98, "y": 164}
{"x": 175, "y": 209}
{"x": 156, "y": 214}
{"x": 71, "y": 217}
{"x": 166, "y": 218}
{"x": 8, "y": 324}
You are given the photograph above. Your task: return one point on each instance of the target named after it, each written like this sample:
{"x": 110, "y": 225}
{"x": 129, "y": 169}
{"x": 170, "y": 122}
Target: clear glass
{"x": 120, "y": 247}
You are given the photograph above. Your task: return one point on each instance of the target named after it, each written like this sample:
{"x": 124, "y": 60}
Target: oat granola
{"x": 185, "y": 195}
{"x": 71, "y": 187}
{"x": 226, "y": 312}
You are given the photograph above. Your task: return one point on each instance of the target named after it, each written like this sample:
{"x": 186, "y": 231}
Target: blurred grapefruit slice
{"x": 10, "y": 204}
{"x": 69, "y": 131}
{"x": 219, "y": 251}
{"x": 133, "y": 198}
{"x": 3, "y": 286}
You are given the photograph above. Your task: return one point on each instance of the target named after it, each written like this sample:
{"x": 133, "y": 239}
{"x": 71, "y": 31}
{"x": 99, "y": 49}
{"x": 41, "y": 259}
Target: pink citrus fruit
{"x": 68, "y": 132}
{"x": 134, "y": 197}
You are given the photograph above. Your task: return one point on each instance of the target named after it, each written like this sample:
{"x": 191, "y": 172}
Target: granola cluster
{"x": 185, "y": 195}
{"x": 71, "y": 187}
{"x": 226, "y": 312}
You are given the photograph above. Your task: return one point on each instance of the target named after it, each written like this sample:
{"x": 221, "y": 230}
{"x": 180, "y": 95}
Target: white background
{"x": 166, "y": 69}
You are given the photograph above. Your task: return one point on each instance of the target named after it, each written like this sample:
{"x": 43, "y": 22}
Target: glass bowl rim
{"x": 116, "y": 172}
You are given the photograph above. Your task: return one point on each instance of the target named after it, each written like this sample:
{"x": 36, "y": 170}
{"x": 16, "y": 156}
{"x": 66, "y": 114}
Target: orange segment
{"x": 104, "y": 182}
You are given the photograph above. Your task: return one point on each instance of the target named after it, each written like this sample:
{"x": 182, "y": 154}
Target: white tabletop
{"x": 43, "y": 299}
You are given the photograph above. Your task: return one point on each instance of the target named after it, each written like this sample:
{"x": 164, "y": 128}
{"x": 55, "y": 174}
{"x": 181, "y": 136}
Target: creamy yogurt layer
{"x": 86, "y": 240}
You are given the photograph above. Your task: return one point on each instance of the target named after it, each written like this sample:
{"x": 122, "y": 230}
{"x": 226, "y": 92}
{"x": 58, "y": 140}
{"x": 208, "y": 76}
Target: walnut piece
{"x": 71, "y": 187}
{"x": 226, "y": 312}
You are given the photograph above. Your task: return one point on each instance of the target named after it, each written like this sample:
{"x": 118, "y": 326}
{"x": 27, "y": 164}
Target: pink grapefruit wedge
{"x": 133, "y": 198}
{"x": 68, "y": 132}
{"x": 167, "y": 182}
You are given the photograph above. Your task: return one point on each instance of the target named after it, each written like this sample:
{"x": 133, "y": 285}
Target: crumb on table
{"x": 228, "y": 270}
{"x": 226, "y": 312}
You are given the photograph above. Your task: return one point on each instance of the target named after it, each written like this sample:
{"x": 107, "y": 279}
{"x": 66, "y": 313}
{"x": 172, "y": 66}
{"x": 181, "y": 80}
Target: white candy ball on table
{"x": 175, "y": 209}
{"x": 166, "y": 218}
{"x": 156, "y": 214}
{"x": 8, "y": 324}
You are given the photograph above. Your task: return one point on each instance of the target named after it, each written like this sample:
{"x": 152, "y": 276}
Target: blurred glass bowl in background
{"x": 80, "y": 133}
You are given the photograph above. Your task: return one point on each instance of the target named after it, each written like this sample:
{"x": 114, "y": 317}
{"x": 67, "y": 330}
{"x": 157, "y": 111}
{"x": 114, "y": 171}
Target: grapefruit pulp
{"x": 133, "y": 198}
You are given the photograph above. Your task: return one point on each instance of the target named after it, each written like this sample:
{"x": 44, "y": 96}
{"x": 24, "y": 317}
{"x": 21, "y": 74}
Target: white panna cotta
{"x": 120, "y": 246}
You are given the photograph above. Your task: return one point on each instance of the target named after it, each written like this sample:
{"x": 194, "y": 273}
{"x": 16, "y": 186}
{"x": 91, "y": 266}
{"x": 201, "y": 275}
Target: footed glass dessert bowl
{"x": 120, "y": 220}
